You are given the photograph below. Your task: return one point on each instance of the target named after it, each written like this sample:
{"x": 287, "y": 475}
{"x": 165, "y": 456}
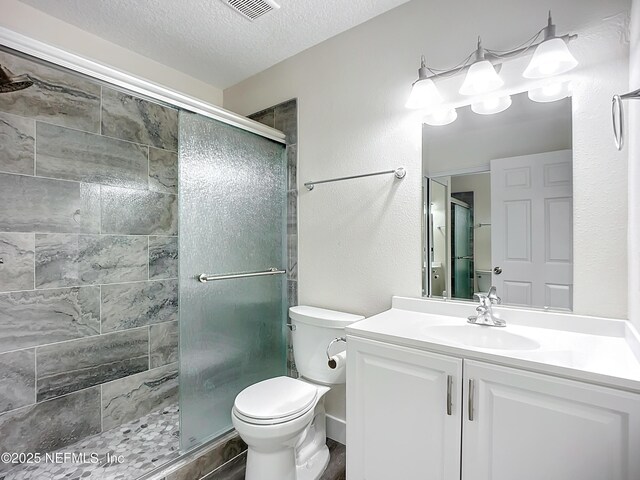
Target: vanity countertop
{"x": 597, "y": 350}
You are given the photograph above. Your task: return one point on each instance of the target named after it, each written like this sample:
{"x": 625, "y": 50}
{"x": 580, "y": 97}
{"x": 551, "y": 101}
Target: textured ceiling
{"x": 208, "y": 40}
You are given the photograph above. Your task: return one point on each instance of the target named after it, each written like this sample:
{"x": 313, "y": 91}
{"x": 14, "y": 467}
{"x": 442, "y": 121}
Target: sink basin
{"x": 481, "y": 336}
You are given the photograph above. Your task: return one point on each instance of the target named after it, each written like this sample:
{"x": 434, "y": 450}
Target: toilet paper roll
{"x": 338, "y": 361}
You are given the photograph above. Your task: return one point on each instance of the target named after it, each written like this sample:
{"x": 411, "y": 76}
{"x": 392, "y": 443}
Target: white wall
{"x": 33, "y": 23}
{"x": 633, "y": 116}
{"x": 360, "y": 241}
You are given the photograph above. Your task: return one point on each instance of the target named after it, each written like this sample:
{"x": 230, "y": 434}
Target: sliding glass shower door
{"x": 461, "y": 251}
{"x": 232, "y": 202}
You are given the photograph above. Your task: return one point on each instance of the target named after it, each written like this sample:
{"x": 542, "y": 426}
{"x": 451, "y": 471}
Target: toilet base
{"x": 271, "y": 466}
{"x": 315, "y": 466}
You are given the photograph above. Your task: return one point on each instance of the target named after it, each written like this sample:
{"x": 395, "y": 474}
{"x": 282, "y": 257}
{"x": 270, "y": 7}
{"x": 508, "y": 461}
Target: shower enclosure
{"x": 112, "y": 207}
{"x": 232, "y": 220}
{"x": 461, "y": 250}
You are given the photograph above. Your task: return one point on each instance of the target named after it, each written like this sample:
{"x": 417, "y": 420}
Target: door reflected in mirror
{"x": 498, "y": 205}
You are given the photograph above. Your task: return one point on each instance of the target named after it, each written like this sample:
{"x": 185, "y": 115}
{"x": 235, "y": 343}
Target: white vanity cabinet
{"x": 529, "y": 426}
{"x": 512, "y": 424}
{"x": 403, "y": 413}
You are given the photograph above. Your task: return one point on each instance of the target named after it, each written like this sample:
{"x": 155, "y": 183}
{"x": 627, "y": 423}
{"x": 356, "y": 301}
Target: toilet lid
{"x": 275, "y": 398}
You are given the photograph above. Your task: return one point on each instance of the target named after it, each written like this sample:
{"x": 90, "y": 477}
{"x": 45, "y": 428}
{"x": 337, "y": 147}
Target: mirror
{"x": 498, "y": 205}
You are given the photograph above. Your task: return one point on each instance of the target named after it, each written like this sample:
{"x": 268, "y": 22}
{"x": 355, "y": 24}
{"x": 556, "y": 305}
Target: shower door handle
{"x": 204, "y": 278}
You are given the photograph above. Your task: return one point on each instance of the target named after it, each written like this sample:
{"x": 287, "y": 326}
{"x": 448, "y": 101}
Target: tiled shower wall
{"x": 284, "y": 117}
{"x": 88, "y": 258}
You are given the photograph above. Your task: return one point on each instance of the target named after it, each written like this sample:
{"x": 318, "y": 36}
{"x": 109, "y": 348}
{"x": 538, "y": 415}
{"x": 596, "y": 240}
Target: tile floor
{"x": 131, "y": 441}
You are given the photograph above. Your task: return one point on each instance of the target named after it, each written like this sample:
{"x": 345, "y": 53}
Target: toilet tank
{"x": 484, "y": 278}
{"x": 313, "y": 330}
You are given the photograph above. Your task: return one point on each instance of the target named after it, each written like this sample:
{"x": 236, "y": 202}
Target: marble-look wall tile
{"x": 32, "y": 204}
{"x": 75, "y": 365}
{"x": 56, "y": 96}
{"x": 17, "y": 379}
{"x": 16, "y": 261}
{"x": 76, "y": 260}
{"x": 137, "y": 212}
{"x": 50, "y": 425}
{"x": 292, "y": 212}
{"x": 45, "y": 316}
{"x": 292, "y": 292}
{"x": 72, "y": 155}
{"x": 163, "y": 171}
{"x": 139, "y": 304}
{"x": 292, "y": 167}
{"x": 17, "y": 139}
{"x": 163, "y": 344}
{"x": 292, "y": 257}
{"x": 132, "y": 397}
{"x": 286, "y": 120}
{"x": 138, "y": 120}
{"x": 266, "y": 117}
{"x": 163, "y": 257}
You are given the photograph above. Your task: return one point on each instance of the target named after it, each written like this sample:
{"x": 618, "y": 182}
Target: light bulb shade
{"x": 424, "y": 94}
{"x": 441, "y": 117}
{"x": 492, "y": 105}
{"x": 481, "y": 78}
{"x": 552, "y": 57}
{"x": 550, "y": 92}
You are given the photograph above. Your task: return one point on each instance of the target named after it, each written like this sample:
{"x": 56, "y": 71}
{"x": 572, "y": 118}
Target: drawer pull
{"x": 471, "y": 397}
{"x": 449, "y": 389}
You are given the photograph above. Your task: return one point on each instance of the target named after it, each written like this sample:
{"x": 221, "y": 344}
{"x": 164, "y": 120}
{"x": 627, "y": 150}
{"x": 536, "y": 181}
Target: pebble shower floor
{"x": 130, "y": 440}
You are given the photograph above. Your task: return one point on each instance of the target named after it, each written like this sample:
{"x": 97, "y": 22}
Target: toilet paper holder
{"x": 331, "y": 361}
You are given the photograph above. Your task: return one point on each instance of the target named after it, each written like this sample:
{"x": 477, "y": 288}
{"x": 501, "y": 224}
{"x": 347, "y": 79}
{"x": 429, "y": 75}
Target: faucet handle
{"x": 483, "y": 298}
{"x": 493, "y": 296}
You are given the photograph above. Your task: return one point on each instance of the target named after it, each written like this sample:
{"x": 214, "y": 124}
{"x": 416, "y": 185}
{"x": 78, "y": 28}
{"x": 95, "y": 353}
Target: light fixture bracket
{"x": 547, "y": 32}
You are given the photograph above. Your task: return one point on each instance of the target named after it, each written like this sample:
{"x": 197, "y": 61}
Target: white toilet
{"x": 282, "y": 419}
{"x": 484, "y": 279}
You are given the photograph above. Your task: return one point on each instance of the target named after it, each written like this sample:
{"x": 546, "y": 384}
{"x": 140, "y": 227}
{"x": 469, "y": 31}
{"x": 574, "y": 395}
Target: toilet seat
{"x": 276, "y": 400}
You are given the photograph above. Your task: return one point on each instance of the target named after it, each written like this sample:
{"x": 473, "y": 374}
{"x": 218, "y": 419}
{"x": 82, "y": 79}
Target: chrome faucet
{"x": 484, "y": 315}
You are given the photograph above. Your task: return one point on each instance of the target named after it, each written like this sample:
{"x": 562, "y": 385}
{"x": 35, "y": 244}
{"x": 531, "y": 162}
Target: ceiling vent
{"x": 252, "y": 9}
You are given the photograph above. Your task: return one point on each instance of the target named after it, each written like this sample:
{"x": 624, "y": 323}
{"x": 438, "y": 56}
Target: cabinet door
{"x": 400, "y": 424}
{"x": 528, "y": 426}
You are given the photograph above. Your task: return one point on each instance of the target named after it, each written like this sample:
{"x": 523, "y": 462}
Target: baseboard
{"x": 337, "y": 429}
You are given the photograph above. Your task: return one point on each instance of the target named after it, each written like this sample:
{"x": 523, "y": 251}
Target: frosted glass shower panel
{"x": 232, "y": 202}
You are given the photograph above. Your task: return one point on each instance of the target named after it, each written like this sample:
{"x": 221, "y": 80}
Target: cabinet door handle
{"x": 471, "y": 397}
{"x": 449, "y": 389}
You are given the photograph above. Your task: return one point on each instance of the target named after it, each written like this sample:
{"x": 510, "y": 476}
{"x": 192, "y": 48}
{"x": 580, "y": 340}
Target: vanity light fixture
{"x": 482, "y": 76}
{"x": 491, "y": 105}
{"x": 550, "y": 92}
{"x": 424, "y": 93}
{"x": 441, "y": 117}
{"x": 552, "y": 57}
